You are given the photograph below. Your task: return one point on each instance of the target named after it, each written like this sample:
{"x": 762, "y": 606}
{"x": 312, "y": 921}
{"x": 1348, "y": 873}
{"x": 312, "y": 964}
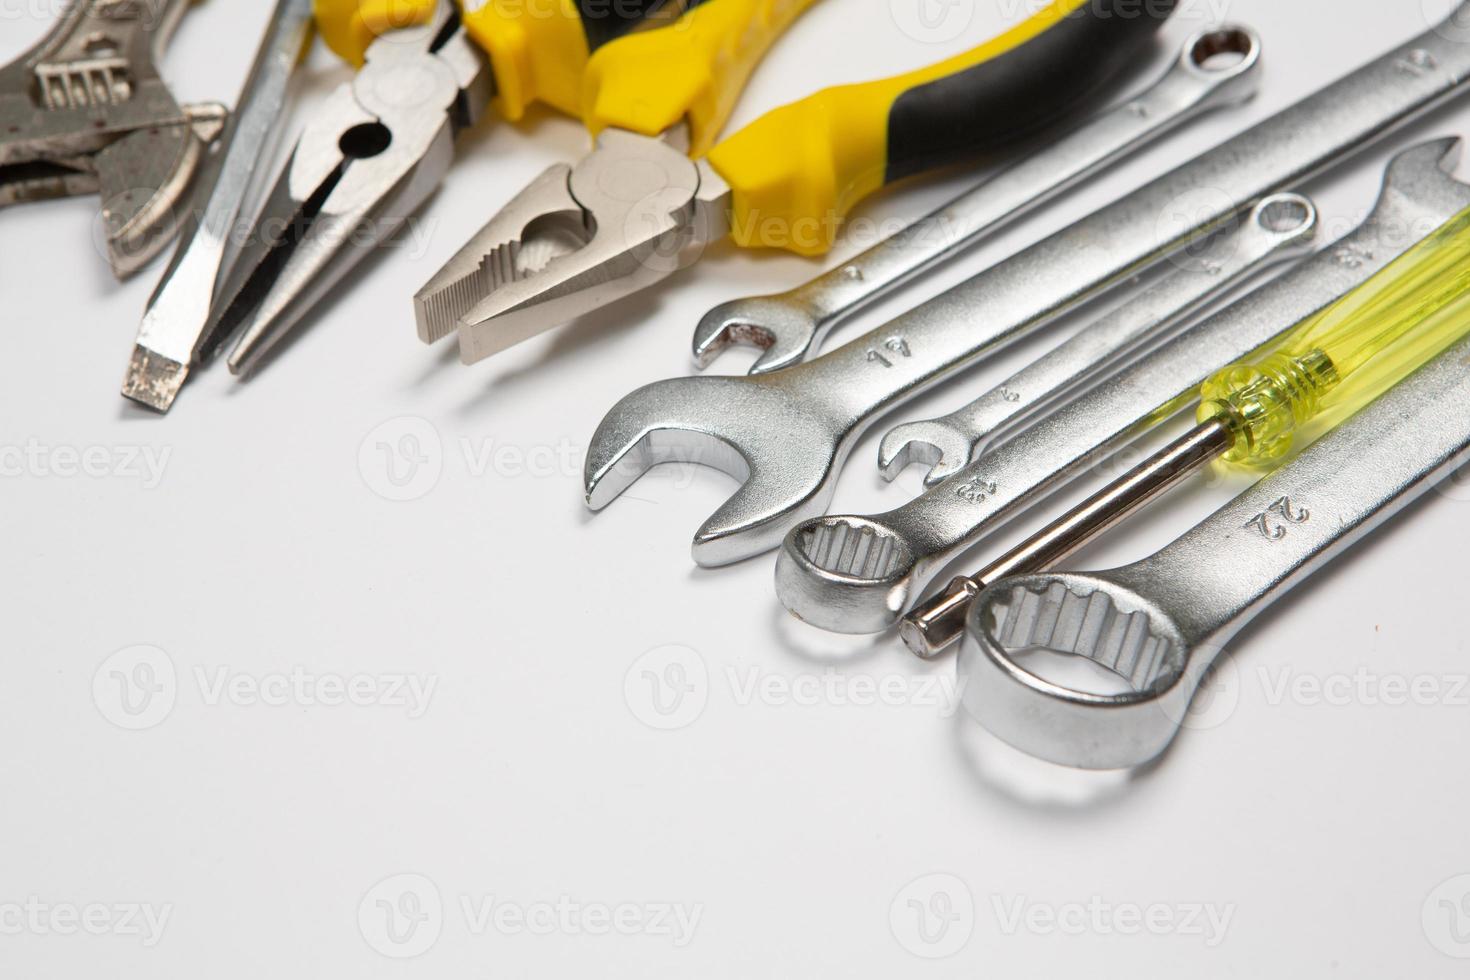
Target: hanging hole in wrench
{"x": 1285, "y": 214}
{"x": 365, "y": 140}
{"x": 1222, "y": 50}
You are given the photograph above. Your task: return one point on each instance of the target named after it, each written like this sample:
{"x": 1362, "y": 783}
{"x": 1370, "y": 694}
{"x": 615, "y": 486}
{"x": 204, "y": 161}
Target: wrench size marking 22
{"x": 1272, "y": 522}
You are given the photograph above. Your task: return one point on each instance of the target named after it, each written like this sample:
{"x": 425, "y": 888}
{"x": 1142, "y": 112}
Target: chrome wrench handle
{"x": 817, "y": 578}
{"x": 794, "y": 323}
{"x": 1161, "y": 622}
{"x": 1281, "y": 227}
{"x": 917, "y": 350}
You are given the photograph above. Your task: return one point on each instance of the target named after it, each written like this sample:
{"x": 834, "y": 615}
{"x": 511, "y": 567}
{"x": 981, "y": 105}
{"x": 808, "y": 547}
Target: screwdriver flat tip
{"x": 153, "y": 380}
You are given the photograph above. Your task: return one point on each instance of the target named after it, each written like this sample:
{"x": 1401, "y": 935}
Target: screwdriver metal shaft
{"x": 932, "y": 627}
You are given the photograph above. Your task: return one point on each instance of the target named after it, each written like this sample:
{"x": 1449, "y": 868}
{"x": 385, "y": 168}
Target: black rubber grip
{"x": 1052, "y": 78}
{"x": 607, "y": 20}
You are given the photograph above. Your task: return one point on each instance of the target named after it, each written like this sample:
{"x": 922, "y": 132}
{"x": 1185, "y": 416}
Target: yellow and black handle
{"x": 538, "y": 49}
{"x": 798, "y": 170}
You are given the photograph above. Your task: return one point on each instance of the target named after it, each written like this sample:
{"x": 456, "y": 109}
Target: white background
{"x": 1329, "y": 830}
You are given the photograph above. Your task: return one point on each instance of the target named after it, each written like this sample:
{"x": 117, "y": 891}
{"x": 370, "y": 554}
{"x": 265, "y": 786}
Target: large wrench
{"x": 859, "y": 574}
{"x": 1161, "y": 622}
{"x": 789, "y": 326}
{"x": 1281, "y": 227}
{"x": 785, "y": 434}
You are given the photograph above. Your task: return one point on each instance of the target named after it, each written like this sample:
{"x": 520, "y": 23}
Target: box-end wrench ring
{"x": 1162, "y": 622}
{"x": 791, "y": 325}
{"x": 858, "y": 574}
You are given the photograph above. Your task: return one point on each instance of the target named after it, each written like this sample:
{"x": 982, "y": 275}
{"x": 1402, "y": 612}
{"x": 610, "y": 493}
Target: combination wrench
{"x": 1281, "y": 227}
{"x": 789, "y": 326}
{"x": 785, "y": 434}
{"x": 854, "y": 574}
{"x": 1160, "y": 623}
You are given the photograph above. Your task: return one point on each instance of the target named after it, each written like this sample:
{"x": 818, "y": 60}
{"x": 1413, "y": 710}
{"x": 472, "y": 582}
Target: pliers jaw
{"x": 631, "y": 213}
{"x": 364, "y": 165}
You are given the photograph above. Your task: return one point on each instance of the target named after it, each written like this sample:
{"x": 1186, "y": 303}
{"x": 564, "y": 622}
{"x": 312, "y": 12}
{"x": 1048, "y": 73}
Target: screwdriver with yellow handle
{"x": 657, "y": 187}
{"x": 1251, "y": 414}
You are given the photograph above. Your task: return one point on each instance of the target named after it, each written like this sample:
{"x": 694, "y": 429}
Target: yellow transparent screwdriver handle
{"x": 1337, "y": 361}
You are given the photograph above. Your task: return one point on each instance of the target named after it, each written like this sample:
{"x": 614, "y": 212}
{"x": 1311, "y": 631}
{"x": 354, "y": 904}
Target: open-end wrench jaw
{"x": 741, "y": 426}
{"x": 775, "y": 325}
{"x": 827, "y": 573}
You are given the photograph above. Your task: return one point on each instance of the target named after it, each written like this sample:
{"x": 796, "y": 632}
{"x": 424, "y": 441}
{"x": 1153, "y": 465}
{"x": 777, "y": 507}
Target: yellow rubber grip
{"x": 798, "y": 170}
{"x": 538, "y": 48}
{"x": 694, "y": 69}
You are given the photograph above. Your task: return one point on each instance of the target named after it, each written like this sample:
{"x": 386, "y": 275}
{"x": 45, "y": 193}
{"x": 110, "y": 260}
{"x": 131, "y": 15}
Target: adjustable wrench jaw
{"x": 85, "y": 111}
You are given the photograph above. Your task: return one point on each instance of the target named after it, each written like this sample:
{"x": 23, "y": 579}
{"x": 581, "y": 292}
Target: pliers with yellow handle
{"x": 651, "y": 194}
{"x": 383, "y": 141}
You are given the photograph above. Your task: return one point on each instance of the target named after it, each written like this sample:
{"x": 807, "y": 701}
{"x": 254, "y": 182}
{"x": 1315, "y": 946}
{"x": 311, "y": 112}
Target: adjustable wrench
{"x": 789, "y": 326}
{"x": 1281, "y": 227}
{"x": 785, "y": 434}
{"x": 1161, "y": 622}
{"x": 859, "y": 574}
{"x": 85, "y": 111}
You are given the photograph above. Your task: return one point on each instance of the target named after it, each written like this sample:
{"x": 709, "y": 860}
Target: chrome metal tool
{"x": 85, "y": 111}
{"x": 174, "y": 336}
{"x": 790, "y": 326}
{"x": 1159, "y": 624}
{"x": 1281, "y": 227}
{"x": 784, "y": 435}
{"x": 858, "y": 574}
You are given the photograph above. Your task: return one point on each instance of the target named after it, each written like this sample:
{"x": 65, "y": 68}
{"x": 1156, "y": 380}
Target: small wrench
{"x": 858, "y": 574}
{"x": 85, "y": 111}
{"x": 786, "y": 434}
{"x": 1280, "y": 228}
{"x": 789, "y": 326}
{"x": 1160, "y": 623}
